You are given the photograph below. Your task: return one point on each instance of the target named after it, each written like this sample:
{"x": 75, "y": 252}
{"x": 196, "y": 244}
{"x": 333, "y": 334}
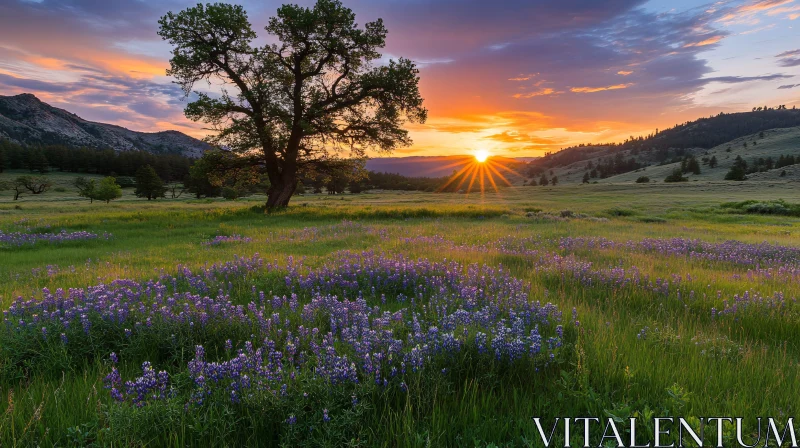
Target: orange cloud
{"x": 542, "y": 92}
{"x": 710, "y": 41}
{"x": 624, "y": 72}
{"x": 770, "y": 7}
{"x": 599, "y": 89}
{"x": 763, "y": 5}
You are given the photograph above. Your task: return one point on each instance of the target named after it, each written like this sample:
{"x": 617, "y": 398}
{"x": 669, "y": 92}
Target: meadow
{"x": 393, "y": 319}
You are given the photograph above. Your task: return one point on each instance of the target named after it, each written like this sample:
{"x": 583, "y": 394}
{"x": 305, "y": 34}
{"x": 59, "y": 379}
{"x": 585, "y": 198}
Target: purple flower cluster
{"x": 18, "y": 239}
{"x": 359, "y": 318}
{"x": 735, "y": 252}
{"x": 217, "y": 240}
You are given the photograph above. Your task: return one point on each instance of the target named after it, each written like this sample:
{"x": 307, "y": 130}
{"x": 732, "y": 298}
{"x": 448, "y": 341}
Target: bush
{"x": 126, "y": 182}
{"x": 652, "y": 219}
{"x": 778, "y": 207}
{"x": 230, "y": 193}
{"x": 676, "y": 176}
{"x": 643, "y": 180}
{"x": 620, "y": 212}
{"x": 736, "y": 173}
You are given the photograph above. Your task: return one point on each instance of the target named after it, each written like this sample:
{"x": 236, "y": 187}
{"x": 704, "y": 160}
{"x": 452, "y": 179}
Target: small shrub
{"x": 620, "y": 212}
{"x": 778, "y": 207}
{"x": 567, "y": 214}
{"x": 643, "y": 180}
{"x": 676, "y": 176}
{"x": 60, "y": 190}
{"x": 652, "y": 219}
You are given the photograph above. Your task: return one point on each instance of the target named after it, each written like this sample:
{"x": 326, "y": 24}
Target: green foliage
{"x": 107, "y": 190}
{"x": 201, "y": 174}
{"x": 642, "y": 180}
{"x": 91, "y": 160}
{"x": 37, "y": 162}
{"x": 690, "y": 165}
{"x": 617, "y": 211}
{"x": 676, "y": 176}
{"x": 738, "y": 171}
{"x": 320, "y": 72}
{"x": 776, "y": 207}
{"x": 148, "y": 184}
{"x": 85, "y": 187}
{"x": 126, "y": 181}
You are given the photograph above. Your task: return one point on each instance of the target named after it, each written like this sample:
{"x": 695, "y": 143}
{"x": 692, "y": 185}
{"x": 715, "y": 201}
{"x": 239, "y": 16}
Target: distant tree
{"x": 356, "y": 186}
{"x": 148, "y": 184}
{"x": 316, "y": 89}
{"x": 198, "y": 181}
{"x": 227, "y": 170}
{"x": 642, "y": 180}
{"x": 107, "y": 190}
{"x": 554, "y": 180}
{"x": 713, "y": 162}
{"x": 126, "y": 181}
{"x": 761, "y": 134}
{"x": 532, "y": 183}
{"x": 586, "y": 177}
{"x": 85, "y": 187}
{"x": 692, "y": 166}
{"x": 230, "y": 193}
{"x": 33, "y": 184}
{"x": 783, "y": 173}
{"x": 17, "y": 188}
{"x": 676, "y": 176}
{"x": 543, "y": 180}
{"x": 738, "y": 171}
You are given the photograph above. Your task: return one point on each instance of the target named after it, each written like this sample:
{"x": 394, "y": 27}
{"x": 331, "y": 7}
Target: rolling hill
{"x": 775, "y": 132}
{"x": 26, "y": 119}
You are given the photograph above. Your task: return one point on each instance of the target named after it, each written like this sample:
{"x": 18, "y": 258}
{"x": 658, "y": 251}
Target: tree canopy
{"x": 301, "y": 103}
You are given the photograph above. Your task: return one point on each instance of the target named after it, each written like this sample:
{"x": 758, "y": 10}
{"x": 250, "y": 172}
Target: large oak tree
{"x": 298, "y": 105}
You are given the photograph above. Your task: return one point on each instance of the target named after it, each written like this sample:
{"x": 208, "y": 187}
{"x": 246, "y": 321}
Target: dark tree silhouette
{"x": 148, "y": 184}
{"x": 300, "y": 103}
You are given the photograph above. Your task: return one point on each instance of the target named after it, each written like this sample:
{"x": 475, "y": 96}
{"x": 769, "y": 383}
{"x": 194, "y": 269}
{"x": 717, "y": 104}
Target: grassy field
{"x": 657, "y": 313}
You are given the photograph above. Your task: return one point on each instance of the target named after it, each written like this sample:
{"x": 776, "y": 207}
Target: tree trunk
{"x": 281, "y": 192}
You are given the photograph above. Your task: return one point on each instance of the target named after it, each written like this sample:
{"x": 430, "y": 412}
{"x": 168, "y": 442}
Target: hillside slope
{"x": 691, "y": 138}
{"x": 25, "y": 119}
{"x": 774, "y": 144}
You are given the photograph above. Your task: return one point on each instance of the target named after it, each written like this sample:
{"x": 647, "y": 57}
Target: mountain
{"x": 431, "y": 166}
{"x": 26, "y": 119}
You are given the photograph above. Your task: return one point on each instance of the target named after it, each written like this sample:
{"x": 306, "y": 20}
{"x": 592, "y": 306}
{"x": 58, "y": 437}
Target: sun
{"x": 481, "y": 155}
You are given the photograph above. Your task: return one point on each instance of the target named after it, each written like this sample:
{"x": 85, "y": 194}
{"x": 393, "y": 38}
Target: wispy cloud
{"x": 599, "y": 89}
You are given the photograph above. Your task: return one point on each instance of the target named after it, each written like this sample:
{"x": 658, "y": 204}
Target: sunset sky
{"x": 512, "y": 77}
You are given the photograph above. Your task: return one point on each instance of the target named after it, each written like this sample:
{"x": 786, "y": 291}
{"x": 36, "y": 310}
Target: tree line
{"x": 42, "y": 159}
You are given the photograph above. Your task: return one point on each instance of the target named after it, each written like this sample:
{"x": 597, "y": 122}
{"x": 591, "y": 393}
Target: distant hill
{"x": 659, "y": 149}
{"x": 430, "y": 166}
{"x": 26, "y": 119}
